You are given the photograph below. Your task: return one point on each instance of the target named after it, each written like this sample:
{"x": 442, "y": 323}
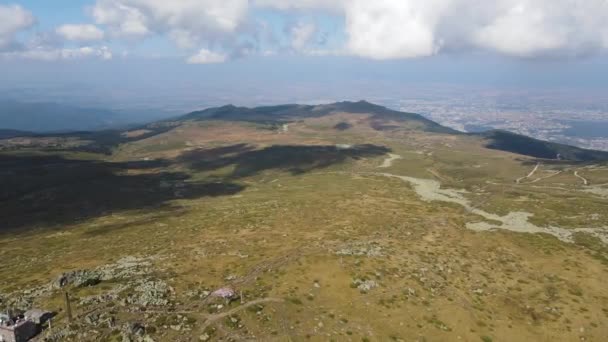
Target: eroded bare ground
{"x": 330, "y": 248}
{"x": 430, "y": 190}
{"x": 388, "y": 162}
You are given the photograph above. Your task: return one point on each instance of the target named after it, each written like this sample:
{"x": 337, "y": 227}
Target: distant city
{"x": 557, "y": 117}
{"x": 587, "y": 129}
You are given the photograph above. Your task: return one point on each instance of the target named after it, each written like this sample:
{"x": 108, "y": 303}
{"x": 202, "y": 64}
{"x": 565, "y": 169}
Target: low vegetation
{"x": 234, "y": 231}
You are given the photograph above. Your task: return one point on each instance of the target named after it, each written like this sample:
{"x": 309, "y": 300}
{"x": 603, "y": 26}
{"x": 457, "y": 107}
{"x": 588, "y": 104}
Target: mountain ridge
{"x": 495, "y": 139}
{"x": 287, "y": 112}
{"x": 380, "y": 117}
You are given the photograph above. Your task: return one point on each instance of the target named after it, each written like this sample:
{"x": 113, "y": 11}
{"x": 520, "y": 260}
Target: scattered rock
{"x": 134, "y": 329}
{"x": 224, "y": 292}
{"x": 365, "y": 285}
{"x": 59, "y": 335}
{"x": 79, "y": 278}
{"x": 125, "y": 268}
{"x": 369, "y": 250}
{"x": 92, "y": 319}
{"x": 150, "y": 293}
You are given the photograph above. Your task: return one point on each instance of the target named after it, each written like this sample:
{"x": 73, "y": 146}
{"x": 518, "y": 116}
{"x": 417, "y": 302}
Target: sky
{"x": 241, "y": 43}
{"x": 216, "y": 31}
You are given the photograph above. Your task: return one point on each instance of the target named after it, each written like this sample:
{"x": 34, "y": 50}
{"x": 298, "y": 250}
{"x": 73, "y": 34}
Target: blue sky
{"x": 56, "y": 12}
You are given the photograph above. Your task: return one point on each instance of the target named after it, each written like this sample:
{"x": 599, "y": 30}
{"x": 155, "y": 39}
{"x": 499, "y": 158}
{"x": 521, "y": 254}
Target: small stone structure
{"x": 23, "y": 327}
{"x": 38, "y": 316}
{"x": 20, "y": 331}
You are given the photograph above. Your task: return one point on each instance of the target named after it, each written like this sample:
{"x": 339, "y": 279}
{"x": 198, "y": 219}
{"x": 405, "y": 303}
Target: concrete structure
{"x": 38, "y": 316}
{"x": 22, "y": 327}
{"x": 21, "y": 330}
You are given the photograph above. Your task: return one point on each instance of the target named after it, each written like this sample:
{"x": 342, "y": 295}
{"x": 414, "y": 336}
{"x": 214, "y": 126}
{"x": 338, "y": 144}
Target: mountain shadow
{"x": 520, "y": 144}
{"x": 47, "y": 191}
{"x": 102, "y": 142}
{"x": 342, "y": 126}
{"x": 296, "y": 159}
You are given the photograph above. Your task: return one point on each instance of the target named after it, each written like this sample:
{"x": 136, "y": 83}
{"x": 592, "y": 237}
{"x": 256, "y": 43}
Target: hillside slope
{"x": 381, "y": 116}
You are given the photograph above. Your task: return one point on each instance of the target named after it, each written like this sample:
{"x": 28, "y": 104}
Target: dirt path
{"x": 388, "y": 162}
{"x": 214, "y": 318}
{"x": 554, "y": 173}
{"x": 518, "y": 180}
{"x": 265, "y": 266}
{"x": 436, "y": 174}
{"x": 585, "y": 181}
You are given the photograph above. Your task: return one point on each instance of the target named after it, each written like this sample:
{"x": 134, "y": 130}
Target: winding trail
{"x": 585, "y": 181}
{"x": 388, "y": 162}
{"x": 518, "y": 180}
{"x": 554, "y": 173}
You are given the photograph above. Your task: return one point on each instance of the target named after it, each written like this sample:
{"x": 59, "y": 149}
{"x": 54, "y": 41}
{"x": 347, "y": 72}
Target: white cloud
{"x": 55, "y": 54}
{"x": 13, "y": 18}
{"x": 387, "y": 29}
{"x": 205, "y": 56}
{"x": 187, "y": 22}
{"x": 45, "y": 46}
{"x": 184, "y": 39}
{"x": 335, "y": 5}
{"x": 301, "y": 35}
{"x": 80, "y": 33}
{"x": 529, "y": 28}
